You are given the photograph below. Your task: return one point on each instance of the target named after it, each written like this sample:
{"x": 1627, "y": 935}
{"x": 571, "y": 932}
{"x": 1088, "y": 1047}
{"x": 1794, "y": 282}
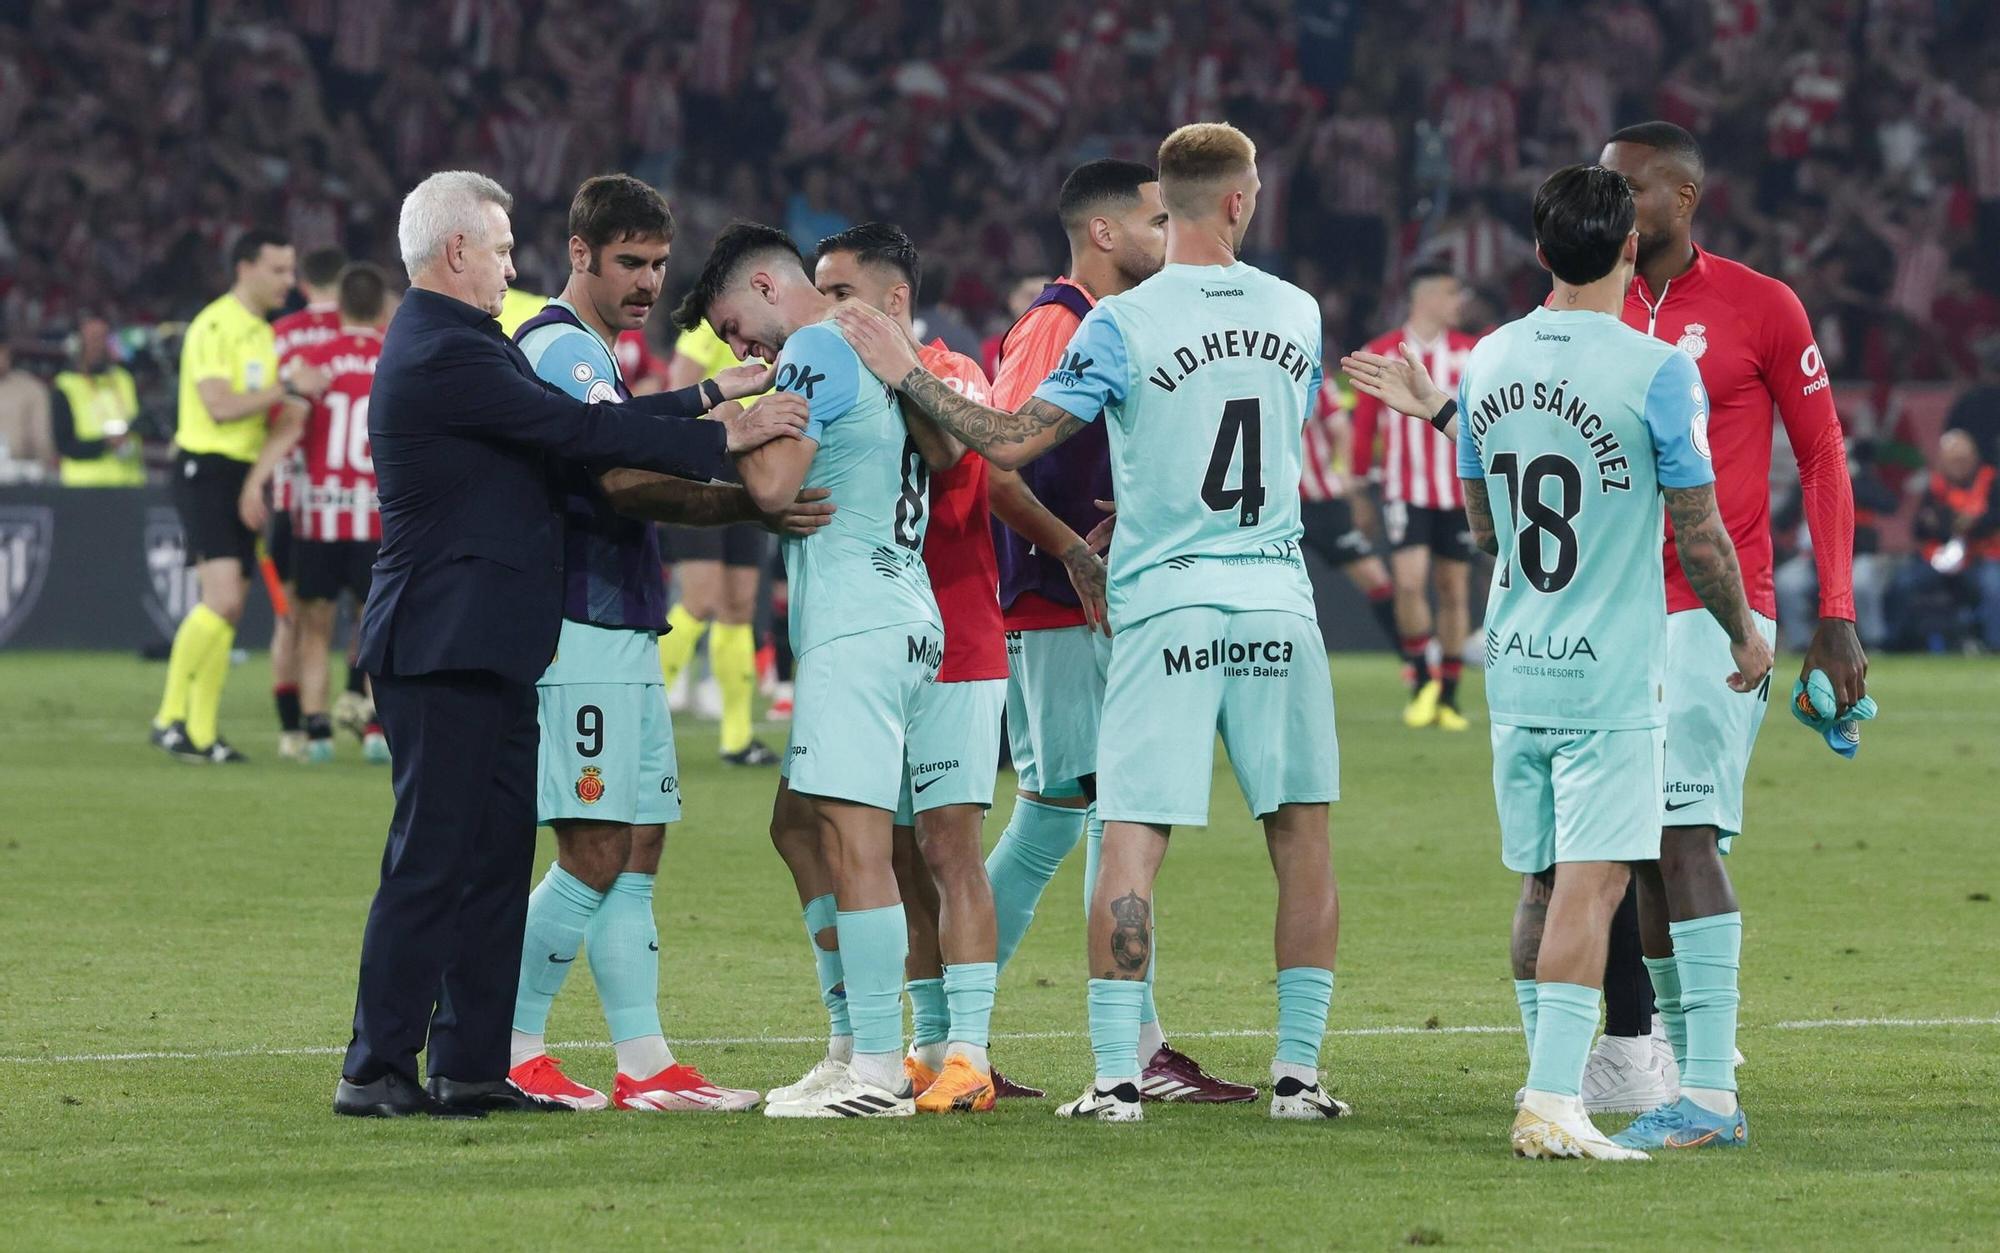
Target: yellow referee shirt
{"x": 711, "y": 350}
{"x": 225, "y": 341}
{"x": 517, "y": 307}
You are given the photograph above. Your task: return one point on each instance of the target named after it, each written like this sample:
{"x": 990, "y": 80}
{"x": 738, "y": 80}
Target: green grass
{"x": 154, "y": 908}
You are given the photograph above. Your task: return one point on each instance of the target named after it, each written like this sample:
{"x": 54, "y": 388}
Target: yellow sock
{"x": 732, "y": 654}
{"x": 677, "y": 645}
{"x": 205, "y": 692}
{"x": 195, "y": 636}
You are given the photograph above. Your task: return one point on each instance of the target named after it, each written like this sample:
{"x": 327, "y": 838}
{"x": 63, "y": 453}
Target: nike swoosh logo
{"x": 918, "y": 787}
{"x": 1673, "y": 805}
{"x": 562, "y": 961}
{"x": 1675, "y": 1142}
{"x": 654, "y": 946}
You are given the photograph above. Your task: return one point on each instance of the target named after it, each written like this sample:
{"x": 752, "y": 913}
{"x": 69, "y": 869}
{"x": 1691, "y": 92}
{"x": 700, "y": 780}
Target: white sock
{"x": 1714, "y": 1100}
{"x": 644, "y": 1057}
{"x": 974, "y": 1053}
{"x": 1635, "y": 1051}
{"x": 1151, "y": 1041}
{"x": 840, "y": 1048}
{"x": 1308, "y": 1075}
{"x": 883, "y": 1070}
{"x": 525, "y": 1048}
{"x": 931, "y": 1055}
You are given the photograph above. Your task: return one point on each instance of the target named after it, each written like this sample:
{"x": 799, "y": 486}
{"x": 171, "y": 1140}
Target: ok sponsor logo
{"x": 1237, "y": 659}
{"x": 797, "y": 376}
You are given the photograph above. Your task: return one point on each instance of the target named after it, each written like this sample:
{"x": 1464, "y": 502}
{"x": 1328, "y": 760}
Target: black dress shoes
{"x": 489, "y": 1095}
{"x": 393, "y": 1096}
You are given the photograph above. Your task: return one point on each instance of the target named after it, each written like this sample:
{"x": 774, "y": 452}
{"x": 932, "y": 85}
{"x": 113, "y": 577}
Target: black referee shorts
{"x": 738, "y": 544}
{"x": 206, "y": 488}
{"x": 323, "y": 569}
{"x": 1444, "y": 531}
{"x": 278, "y": 543}
{"x": 1330, "y": 532}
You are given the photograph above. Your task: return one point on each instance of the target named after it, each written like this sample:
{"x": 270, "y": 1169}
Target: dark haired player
{"x": 609, "y": 782}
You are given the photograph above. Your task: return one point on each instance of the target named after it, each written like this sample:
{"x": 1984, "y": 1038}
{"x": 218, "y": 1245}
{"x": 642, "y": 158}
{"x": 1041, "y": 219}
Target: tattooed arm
{"x": 1008, "y": 440}
{"x": 1479, "y": 514}
{"x": 1708, "y": 558}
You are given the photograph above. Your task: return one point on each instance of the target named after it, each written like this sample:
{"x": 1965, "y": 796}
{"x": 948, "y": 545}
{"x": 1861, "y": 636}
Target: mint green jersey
{"x": 1576, "y": 421}
{"x": 864, "y": 569}
{"x": 1206, "y": 375}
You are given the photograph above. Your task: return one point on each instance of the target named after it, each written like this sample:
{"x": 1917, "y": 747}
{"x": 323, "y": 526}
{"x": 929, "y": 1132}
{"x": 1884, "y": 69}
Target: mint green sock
{"x": 930, "y": 1018}
{"x": 1707, "y": 952}
{"x": 1030, "y": 851}
{"x": 1093, "y": 844}
{"x": 820, "y": 913}
{"x": 1524, "y": 996}
{"x": 1565, "y": 1020}
{"x": 623, "y": 944}
{"x": 559, "y": 909}
{"x": 1304, "y": 995}
{"x": 1666, "y": 972}
{"x": 968, "y": 987}
{"x": 873, "y": 944}
{"x": 1114, "y": 1029}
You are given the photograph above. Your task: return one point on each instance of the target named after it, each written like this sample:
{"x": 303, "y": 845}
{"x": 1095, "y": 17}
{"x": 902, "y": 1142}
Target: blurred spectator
{"x": 1957, "y": 565}
{"x": 27, "y": 448}
{"x": 93, "y": 408}
{"x": 1798, "y": 579}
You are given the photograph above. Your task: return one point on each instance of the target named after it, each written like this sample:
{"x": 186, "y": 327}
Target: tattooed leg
{"x": 1531, "y": 914}
{"x": 1121, "y": 912}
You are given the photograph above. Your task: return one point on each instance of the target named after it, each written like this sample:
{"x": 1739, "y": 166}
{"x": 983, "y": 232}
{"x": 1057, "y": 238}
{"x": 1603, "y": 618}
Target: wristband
{"x": 712, "y": 392}
{"x": 1442, "y": 418}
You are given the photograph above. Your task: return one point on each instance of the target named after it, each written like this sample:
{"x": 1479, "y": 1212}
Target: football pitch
{"x": 177, "y": 963}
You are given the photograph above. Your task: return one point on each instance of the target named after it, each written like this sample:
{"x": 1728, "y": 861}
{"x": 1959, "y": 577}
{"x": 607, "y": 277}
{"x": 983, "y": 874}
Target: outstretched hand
{"x": 875, "y": 337}
{"x": 1400, "y": 382}
{"x": 748, "y": 379}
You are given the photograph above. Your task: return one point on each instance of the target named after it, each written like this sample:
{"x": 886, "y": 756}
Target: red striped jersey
{"x": 314, "y": 324}
{"x": 1418, "y": 465}
{"x": 1319, "y": 477}
{"x": 337, "y": 499}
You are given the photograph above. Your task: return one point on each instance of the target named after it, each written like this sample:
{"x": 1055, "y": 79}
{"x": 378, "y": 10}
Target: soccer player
{"x": 339, "y": 524}
{"x": 950, "y": 970}
{"x": 1051, "y": 591}
{"x": 865, "y": 625}
{"x": 1753, "y": 343}
{"x": 229, "y": 384}
{"x": 1423, "y": 508}
{"x": 609, "y": 782}
{"x": 1204, "y": 374}
{"x": 716, "y": 571}
{"x": 319, "y": 321}
{"x": 1579, "y": 426}
{"x": 1328, "y": 495}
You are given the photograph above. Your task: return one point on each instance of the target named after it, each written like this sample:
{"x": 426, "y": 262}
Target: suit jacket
{"x": 466, "y": 439}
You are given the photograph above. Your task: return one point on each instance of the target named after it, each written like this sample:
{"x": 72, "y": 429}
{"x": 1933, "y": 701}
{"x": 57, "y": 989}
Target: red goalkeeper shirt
{"x": 1751, "y": 340}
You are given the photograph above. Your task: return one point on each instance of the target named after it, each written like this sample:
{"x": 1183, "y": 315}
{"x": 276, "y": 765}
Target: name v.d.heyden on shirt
{"x": 1613, "y": 470}
{"x": 1236, "y": 343}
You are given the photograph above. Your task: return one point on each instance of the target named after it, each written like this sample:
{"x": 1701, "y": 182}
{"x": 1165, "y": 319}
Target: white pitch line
{"x": 1798, "y": 1024}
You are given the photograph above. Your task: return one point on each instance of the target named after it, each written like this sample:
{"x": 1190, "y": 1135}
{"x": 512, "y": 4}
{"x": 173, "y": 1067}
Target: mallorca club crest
{"x": 27, "y": 536}
{"x": 590, "y": 785}
{"x": 1693, "y": 340}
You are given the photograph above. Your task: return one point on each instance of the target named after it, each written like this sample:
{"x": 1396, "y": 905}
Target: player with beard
{"x": 609, "y": 783}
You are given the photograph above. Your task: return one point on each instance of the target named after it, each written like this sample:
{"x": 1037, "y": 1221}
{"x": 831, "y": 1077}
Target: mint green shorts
{"x": 607, "y": 754}
{"x": 954, "y": 748}
{"x": 1020, "y": 745}
{"x": 1568, "y": 795}
{"x": 1710, "y": 729}
{"x": 1063, "y": 672}
{"x": 855, "y": 700}
{"x": 1258, "y": 677}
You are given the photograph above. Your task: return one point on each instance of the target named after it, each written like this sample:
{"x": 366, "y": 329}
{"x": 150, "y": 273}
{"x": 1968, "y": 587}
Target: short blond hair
{"x": 1199, "y": 158}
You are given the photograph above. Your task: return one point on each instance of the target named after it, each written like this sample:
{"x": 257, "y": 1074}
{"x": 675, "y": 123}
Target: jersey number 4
{"x": 1548, "y": 526}
{"x": 1242, "y": 423}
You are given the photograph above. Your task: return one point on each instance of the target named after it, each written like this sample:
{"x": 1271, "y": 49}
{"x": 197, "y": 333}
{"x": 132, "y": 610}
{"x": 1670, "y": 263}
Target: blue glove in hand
{"x": 1813, "y": 704}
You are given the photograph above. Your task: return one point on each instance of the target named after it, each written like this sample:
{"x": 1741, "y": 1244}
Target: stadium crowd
{"x": 1853, "y": 147}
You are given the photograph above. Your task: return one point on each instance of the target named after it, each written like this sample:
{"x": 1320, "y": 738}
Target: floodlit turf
{"x": 208, "y": 919}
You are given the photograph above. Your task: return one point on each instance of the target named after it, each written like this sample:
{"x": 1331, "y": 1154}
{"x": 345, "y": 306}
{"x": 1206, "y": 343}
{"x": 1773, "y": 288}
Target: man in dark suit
{"x": 462, "y": 617}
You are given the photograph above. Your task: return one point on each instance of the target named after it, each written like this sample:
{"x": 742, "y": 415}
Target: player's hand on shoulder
{"x": 1753, "y": 663}
{"x": 809, "y": 511}
{"x": 748, "y": 379}
{"x": 877, "y": 340}
{"x": 1400, "y": 381}
{"x": 779, "y": 415}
